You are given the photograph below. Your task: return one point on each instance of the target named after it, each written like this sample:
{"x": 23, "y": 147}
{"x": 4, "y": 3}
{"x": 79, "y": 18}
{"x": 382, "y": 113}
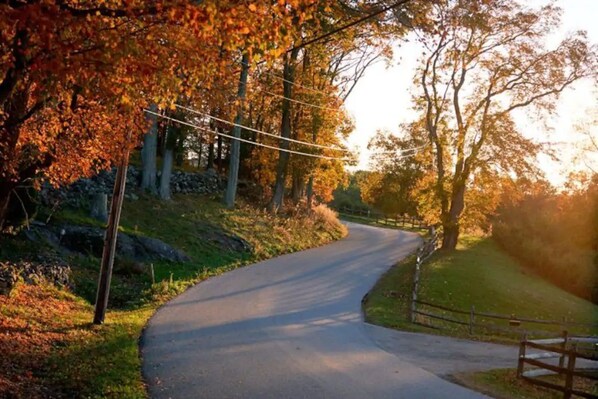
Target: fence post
{"x": 565, "y": 336}
{"x": 471, "y": 319}
{"x": 569, "y": 376}
{"x": 415, "y": 284}
{"x": 521, "y": 355}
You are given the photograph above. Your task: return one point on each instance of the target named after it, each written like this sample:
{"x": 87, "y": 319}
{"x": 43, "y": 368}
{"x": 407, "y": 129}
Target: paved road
{"x": 444, "y": 355}
{"x": 289, "y": 327}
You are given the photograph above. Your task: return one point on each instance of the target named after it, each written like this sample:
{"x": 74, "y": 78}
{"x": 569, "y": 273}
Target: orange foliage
{"x": 34, "y": 320}
{"x": 77, "y": 74}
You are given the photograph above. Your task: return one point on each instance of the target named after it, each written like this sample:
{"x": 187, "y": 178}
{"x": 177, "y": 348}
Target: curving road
{"x": 289, "y": 327}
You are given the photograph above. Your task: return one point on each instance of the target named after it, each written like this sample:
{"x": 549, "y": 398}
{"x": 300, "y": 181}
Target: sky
{"x": 382, "y": 98}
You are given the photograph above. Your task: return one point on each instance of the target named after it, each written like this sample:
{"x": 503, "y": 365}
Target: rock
{"x": 224, "y": 240}
{"x": 159, "y": 249}
{"x": 83, "y": 239}
{"x": 90, "y": 240}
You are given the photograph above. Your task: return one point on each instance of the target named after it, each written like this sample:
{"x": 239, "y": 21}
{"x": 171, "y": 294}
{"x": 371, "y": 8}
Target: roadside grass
{"x": 504, "y": 384}
{"x": 478, "y": 273}
{"x": 58, "y": 353}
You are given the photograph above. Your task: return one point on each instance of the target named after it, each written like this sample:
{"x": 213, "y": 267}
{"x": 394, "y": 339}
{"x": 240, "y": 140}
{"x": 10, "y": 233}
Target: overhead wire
{"x": 347, "y": 26}
{"x": 294, "y": 83}
{"x": 305, "y": 143}
{"x": 401, "y": 151}
{"x": 222, "y": 89}
{"x": 244, "y": 140}
{"x": 301, "y": 45}
{"x": 333, "y": 32}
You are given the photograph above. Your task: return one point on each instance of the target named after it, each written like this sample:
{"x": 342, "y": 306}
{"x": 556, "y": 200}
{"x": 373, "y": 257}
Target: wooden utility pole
{"x": 235, "y": 146}
{"x": 110, "y": 237}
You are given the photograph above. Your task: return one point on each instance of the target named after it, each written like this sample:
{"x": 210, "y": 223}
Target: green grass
{"x": 103, "y": 361}
{"x": 503, "y": 384}
{"x": 478, "y": 273}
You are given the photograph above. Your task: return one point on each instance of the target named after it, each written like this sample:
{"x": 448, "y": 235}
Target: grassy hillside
{"x": 49, "y": 347}
{"x": 556, "y": 236}
{"x": 478, "y": 273}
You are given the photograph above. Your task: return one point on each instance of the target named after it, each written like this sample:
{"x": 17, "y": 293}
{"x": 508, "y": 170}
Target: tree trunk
{"x": 99, "y": 207}
{"x": 285, "y": 131}
{"x": 148, "y": 155}
{"x": 219, "y": 154}
{"x": 298, "y": 188}
{"x": 210, "y": 164}
{"x": 450, "y": 223}
{"x": 199, "y": 155}
{"x": 167, "y": 160}
{"x": 235, "y": 153}
{"x": 166, "y": 174}
{"x": 310, "y": 192}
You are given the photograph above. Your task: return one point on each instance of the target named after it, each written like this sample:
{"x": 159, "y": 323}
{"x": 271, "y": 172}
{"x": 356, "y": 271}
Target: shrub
{"x": 327, "y": 219}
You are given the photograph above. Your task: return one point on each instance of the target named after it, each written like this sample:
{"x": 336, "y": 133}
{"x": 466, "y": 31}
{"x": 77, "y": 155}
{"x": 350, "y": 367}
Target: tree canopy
{"x": 482, "y": 61}
{"x": 76, "y": 75}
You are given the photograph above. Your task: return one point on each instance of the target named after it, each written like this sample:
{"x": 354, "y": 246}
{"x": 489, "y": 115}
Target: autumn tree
{"x": 322, "y": 69}
{"x": 394, "y": 174}
{"x": 483, "y": 61}
{"x": 76, "y": 75}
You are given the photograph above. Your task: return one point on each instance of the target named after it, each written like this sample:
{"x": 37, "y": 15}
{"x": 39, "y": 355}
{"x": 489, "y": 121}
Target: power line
{"x": 294, "y": 83}
{"x": 260, "y": 131}
{"x": 224, "y": 90}
{"x": 401, "y": 151}
{"x": 243, "y": 140}
{"x": 347, "y": 26}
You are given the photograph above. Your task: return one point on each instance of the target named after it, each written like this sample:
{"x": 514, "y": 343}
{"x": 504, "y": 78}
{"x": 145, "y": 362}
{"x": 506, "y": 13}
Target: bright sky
{"x": 382, "y": 99}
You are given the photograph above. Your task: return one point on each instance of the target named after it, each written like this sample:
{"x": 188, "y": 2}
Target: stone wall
{"x": 78, "y": 193}
{"x": 32, "y": 272}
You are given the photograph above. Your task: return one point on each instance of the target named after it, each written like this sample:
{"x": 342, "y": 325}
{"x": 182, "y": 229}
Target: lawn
{"x": 49, "y": 347}
{"x": 478, "y": 273}
{"x": 504, "y": 384}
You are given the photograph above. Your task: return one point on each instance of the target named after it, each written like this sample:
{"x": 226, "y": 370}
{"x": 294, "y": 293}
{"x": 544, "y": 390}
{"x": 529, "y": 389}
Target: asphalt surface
{"x": 444, "y": 356}
{"x": 289, "y": 327}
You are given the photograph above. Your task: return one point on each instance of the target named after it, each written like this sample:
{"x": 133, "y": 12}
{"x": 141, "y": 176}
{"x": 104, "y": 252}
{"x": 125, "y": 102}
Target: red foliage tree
{"x": 75, "y": 75}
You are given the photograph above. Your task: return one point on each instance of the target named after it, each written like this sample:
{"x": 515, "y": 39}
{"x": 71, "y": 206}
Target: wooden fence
{"x": 389, "y": 220}
{"x": 567, "y": 350}
{"x": 505, "y": 324}
{"x": 423, "y": 253}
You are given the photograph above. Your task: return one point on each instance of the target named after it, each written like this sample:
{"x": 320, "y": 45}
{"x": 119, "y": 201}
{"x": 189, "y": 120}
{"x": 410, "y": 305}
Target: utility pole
{"x": 235, "y": 151}
{"x": 110, "y": 237}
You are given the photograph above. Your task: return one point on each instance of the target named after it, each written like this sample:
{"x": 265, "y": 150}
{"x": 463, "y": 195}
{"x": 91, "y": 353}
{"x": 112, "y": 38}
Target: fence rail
{"x": 475, "y": 319}
{"x": 423, "y": 253}
{"x": 389, "y": 220}
{"x": 566, "y": 350}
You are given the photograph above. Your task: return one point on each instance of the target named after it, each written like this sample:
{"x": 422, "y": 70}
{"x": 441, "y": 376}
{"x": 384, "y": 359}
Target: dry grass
{"x": 327, "y": 219}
